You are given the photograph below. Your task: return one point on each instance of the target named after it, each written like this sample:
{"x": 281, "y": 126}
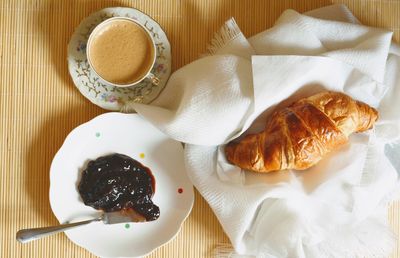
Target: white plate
{"x": 105, "y": 95}
{"x": 130, "y": 135}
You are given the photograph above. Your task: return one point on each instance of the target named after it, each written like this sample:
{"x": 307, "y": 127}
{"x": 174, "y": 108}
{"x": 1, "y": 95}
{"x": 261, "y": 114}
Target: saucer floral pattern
{"x": 105, "y": 95}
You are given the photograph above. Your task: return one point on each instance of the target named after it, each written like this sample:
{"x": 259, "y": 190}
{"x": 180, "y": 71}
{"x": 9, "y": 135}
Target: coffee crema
{"x": 121, "y": 52}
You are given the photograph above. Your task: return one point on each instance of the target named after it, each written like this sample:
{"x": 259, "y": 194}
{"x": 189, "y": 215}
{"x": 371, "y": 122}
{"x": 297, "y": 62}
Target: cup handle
{"x": 154, "y": 79}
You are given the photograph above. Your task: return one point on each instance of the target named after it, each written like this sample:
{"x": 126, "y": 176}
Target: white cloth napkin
{"x": 338, "y": 207}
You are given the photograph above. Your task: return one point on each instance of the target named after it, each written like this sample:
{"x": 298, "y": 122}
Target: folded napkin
{"x": 338, "y": 207}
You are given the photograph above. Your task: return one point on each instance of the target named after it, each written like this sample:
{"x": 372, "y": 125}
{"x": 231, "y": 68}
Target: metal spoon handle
{"x": 27, "y": 235}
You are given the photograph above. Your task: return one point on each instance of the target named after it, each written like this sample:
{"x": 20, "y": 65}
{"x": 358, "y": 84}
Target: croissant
{"x": 298, "y": 136}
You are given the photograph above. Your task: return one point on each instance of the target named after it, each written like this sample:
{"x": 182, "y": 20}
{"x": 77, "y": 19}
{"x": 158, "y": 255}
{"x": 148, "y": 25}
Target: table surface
{"x": 39, "y": 104}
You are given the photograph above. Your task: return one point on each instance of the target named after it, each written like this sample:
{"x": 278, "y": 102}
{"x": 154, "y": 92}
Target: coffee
{"x": 121, "y": 52}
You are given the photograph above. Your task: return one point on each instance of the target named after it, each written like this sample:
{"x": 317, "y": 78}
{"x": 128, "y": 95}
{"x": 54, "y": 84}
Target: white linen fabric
{"x": 334, "y": 209}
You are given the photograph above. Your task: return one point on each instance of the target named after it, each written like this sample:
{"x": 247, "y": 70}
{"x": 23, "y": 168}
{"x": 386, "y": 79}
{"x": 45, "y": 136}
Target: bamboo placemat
{"x": 40, "y": 105}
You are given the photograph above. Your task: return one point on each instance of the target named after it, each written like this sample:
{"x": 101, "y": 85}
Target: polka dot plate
{"x": 133, "y": 136}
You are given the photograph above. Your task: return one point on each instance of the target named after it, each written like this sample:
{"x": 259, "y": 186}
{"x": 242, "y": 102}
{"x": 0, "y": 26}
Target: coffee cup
{"x": 121, "y": 52}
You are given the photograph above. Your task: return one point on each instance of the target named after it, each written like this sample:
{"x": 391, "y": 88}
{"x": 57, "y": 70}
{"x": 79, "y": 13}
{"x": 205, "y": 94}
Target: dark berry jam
{"x": 117, "y": 182}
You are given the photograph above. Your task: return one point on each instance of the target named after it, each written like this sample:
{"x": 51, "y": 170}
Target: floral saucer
{"x": 105, "y": 95}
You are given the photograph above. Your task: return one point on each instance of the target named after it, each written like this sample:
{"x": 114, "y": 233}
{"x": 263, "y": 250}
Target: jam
{"x": 117, "y": 182}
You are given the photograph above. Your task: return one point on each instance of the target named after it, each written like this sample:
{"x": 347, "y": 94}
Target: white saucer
{"x": 108, "y": 96}
{"x": 130, "y": 135}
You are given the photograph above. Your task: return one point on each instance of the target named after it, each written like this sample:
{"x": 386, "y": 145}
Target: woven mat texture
{"x": 39, "y": 104}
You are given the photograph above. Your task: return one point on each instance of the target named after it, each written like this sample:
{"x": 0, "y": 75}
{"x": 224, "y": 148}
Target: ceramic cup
{"x": 146, "y": 75}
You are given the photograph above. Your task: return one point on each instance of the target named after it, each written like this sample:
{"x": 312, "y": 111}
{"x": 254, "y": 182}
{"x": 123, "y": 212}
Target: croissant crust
{"x": 298, "y": 136}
